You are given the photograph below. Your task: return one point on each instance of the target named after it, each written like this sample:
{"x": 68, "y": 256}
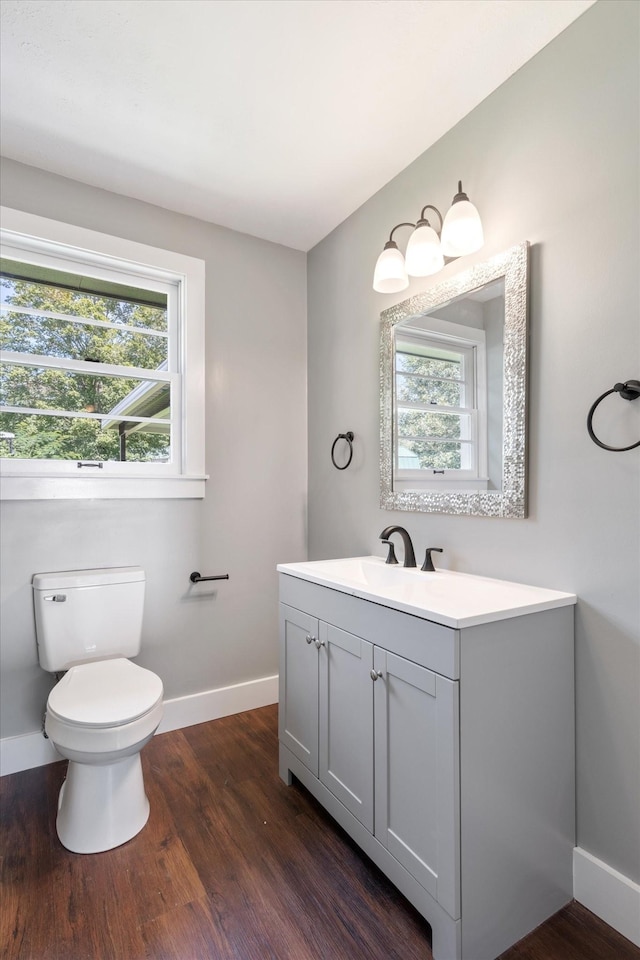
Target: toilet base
{"x": 101, "y": 806}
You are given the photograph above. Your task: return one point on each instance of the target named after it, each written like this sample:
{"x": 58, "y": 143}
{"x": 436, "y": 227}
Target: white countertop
{"x": 452, "y": 599}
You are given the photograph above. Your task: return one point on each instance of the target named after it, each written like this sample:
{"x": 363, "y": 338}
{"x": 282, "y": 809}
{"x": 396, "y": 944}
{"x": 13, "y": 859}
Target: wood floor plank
{"x": 159, "y": 871}
{"x": 232, "y": 865}
{"x": 573, "y": 934}
{"x": 27, "y": 804}
{"x": 95, "y": 909}
{"x": 234, "y": 748}
{"x": 189, "y": 927}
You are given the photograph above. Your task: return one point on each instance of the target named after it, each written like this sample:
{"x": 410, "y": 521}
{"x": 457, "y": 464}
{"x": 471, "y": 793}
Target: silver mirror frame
{"x": 511, "y": 500}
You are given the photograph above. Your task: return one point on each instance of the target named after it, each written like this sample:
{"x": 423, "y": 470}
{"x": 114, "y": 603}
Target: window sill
{"x": 441, "y": 485}
{"x": 101, "y": 488}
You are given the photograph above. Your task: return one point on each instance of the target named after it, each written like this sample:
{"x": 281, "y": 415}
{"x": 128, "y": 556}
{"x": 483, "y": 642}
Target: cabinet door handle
{"x": 319, "y": 643}
{"x": 375, "y": 674}
{"x": 309, "y": 638}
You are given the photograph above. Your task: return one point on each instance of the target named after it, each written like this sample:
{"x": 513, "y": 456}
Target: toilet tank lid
{"x": 66, "y": 579}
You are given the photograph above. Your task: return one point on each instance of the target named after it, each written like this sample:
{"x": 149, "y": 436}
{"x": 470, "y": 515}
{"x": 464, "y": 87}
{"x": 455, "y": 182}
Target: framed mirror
{"x": 453, "y": 394}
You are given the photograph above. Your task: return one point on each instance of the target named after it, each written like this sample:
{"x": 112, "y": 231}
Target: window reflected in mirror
{"x": 453, "y": 378}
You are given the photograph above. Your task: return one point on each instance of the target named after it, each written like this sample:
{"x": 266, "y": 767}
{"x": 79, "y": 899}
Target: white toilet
{"x": 105, "y": 708}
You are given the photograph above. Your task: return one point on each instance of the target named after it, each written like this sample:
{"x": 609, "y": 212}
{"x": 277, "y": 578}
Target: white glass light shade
{"x": 423, "y": 256}
{"x": 462, "y": 230}
{"x": 390, "y": 275}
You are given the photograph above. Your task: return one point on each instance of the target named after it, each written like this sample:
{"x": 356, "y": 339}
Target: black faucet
{"x": 409, "y": 555}
{"x": 428, "y": 562}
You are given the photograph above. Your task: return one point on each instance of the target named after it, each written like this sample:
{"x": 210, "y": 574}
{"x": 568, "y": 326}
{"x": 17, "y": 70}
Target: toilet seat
{"x": 104, "y": 693}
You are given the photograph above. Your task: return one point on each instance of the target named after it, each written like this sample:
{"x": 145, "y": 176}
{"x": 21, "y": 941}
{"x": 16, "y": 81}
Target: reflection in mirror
{"x": 453, "y": 378}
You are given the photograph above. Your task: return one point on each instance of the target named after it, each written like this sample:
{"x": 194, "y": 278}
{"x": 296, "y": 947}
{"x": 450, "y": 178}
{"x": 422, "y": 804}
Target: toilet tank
{"x": 84, "y": 615}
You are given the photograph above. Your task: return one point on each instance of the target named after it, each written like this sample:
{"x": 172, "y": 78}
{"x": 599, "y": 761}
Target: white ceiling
{"x": 278, "y": 118}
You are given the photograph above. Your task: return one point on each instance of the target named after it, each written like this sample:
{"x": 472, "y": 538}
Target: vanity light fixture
{"x": 459, "y": 234}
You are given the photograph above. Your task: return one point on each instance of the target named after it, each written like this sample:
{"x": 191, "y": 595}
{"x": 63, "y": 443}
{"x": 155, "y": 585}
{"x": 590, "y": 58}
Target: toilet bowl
{"x": 105, "y": 708}
{"x": 99, "y": 716}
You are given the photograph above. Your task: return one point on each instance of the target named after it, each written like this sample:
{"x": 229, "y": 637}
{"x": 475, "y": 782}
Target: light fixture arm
{"x": 423, "y": 221}
{"x": 391, "y": 242}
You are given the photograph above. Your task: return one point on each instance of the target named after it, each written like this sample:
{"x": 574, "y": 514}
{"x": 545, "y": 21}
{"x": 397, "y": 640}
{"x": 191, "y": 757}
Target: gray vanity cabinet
{"x": 380, "y": 733}
{"x": 345, "y": 732}
{"x": 446, "y": 753}
{"x": 416, "y": 767}
{"x": 298, "y": 712}
{"x": 326, "y": 707}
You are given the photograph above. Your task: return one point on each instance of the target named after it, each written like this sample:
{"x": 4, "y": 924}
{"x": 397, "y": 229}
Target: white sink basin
{"x": 453, "y": 599}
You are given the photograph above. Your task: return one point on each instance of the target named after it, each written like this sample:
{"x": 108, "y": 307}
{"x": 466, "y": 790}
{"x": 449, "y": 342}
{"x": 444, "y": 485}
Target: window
{"x": 101, "y": 385}
{"x": 440, "y": 426}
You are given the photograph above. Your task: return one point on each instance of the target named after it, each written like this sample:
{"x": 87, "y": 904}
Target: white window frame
{"x": 471, "y": 342}
{"x": 77, "y": 250}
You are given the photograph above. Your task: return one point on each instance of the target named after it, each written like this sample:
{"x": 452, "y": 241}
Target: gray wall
{"x": 254, "y": 512}
{"x": 550, "y": 157}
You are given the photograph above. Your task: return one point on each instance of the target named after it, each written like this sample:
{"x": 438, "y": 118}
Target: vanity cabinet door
{"x": 417, "y": 793}
{"x": 298, "y": 707}
{"x": 346, "y": 720}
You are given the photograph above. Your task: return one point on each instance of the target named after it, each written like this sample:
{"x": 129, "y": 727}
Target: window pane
{"x": 32, "y": 332}
{"x": 133, "y": 306}
{"x": 419, "y": 423}
{"x": 414, "y": 389}
{"x": 429, "y": 366}
{"x": 425, "y": 455}
{"x": 39, "y": 437}
{"x": 46, "y": 388}
{"x": 35, "y": 334}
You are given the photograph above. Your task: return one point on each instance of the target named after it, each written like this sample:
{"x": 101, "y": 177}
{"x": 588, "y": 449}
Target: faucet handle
{"x": 428, "y": 562}
{"x": 391, "y": 556}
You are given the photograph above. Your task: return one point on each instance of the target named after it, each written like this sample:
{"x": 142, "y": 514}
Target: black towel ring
{"x": 628, "y": 391}
{"x": 349, "y": 438}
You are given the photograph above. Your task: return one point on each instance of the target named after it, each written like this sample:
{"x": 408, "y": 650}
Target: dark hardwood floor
{"x": 232, "y": 865}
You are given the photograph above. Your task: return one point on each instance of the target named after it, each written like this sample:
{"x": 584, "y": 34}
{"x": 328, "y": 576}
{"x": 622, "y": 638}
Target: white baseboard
{"x": 22, "y": 753}
{"x": 609, "y": 894}
{"x": 213, "y": 704}
{"x": 33, "y": 750}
